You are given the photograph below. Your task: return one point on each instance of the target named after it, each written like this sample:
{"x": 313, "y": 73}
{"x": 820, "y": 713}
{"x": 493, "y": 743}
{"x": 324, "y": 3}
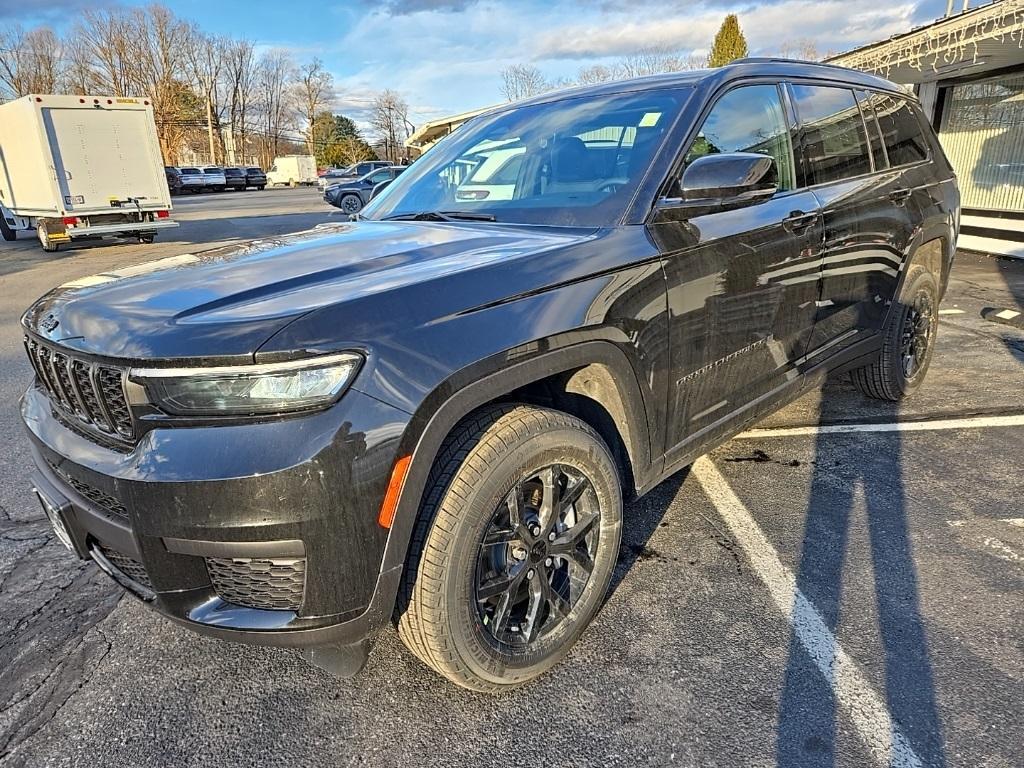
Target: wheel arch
{"x": 593, "y": 376}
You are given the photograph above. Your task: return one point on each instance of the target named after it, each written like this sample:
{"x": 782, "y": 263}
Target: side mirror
{"x": 378, "y": 188}
{"x": 725, "y": 181}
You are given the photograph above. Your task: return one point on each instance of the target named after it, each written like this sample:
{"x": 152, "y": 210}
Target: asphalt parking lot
{"x": 841, "y": 586}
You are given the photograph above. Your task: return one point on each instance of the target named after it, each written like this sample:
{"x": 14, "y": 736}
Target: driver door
{"x": 742, "y": 283}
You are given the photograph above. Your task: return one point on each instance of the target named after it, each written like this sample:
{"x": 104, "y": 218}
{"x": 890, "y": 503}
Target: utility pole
{"x": 209, "y": 128}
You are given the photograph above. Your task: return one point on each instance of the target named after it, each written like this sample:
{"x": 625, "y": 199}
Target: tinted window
{"x": 379, "y": 176}
{"x": 834, "y": 143}
{"x": 901, "y": 130}
{"x": 868, "y": 102}
{"x": 192, "y": 171}
{"x": 748, "y": 119}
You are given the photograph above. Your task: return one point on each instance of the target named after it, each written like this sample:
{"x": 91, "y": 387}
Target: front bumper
{"x": 165, "y": 519}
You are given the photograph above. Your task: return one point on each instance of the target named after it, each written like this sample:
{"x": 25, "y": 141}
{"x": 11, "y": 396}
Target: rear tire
{"x": 514, "y": 547}
{"x": 44, "y": 239}
{"x": 260, "y": 189}
{"x": 6, "y": 232}
{"x": 146, "y": 239}
{"x": 908, "y": 341}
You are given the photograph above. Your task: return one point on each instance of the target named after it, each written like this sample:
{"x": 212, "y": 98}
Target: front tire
{"x": 908, "y": 341}
{"x": 514, "y": 548}
{"x": 351, "y": 204}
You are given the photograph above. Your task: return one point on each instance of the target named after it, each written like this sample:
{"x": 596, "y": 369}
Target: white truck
{"x": 292, "y": 170}
{"x": 80, "y": 167}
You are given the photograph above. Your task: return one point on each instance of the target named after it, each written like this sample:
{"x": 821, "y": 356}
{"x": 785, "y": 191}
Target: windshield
{"x": 572, "y": 162}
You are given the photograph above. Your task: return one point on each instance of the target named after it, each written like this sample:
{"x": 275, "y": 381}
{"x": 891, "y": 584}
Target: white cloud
{"x": 829, "y": 23}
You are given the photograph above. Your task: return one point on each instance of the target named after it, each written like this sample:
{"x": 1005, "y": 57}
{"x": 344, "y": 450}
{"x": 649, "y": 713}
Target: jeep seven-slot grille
{"x": 274, "y": 584}
{"x": 91, "y": 393}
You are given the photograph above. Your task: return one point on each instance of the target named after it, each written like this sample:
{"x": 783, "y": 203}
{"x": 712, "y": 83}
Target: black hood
{"x": 226, "y": 303}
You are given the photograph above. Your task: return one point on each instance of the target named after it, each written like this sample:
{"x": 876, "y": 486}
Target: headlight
{"x": 248, "y": 389}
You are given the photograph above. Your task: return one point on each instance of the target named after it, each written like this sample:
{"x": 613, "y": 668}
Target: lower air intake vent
{"x": 130, "y": 567}
{"x": 269, "y": 584}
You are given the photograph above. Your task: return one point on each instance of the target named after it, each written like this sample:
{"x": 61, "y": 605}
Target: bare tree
{"x": 204, "y": 61}
{"x": 655, "y": 61}
{"x": 274, "y": 74}
{"x": 595, "y": 74}
{"x": 521, "y": 81}
{"x": 30, "y": 62}
{"x": 240, "y": 74}
{"x": 390, "y": 118}
{"x": 802, "y": 49}
{"x": 314, "y": 90}
{"x": 136, "y": 52}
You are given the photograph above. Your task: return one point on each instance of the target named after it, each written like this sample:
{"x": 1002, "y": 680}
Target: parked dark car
{"x": 351, "y": 196}
{"x": 255, "y": 177}
{"x": 434, "y": 412}
{"x": 235, "y": 178}
{"x": 173, "y": 180}
{"x": 337, "y": 175}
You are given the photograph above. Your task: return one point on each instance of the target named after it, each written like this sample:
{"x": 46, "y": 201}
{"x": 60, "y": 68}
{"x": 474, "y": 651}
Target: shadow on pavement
{"x": 808, "y": 707}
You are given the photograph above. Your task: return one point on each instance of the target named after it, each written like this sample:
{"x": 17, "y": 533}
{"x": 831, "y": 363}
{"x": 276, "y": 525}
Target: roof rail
{"x": 783, "y": 60}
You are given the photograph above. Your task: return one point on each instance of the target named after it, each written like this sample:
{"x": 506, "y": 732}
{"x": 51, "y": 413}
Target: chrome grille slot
{"x": 91, "y": 393}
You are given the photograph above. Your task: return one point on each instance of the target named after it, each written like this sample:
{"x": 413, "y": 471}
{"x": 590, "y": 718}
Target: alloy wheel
{"x": 916, "y": 334}
{"x": 537, "y": 555}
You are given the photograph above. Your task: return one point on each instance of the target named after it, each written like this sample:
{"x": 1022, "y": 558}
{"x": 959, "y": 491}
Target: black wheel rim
{"x": 350, "y": 205}
{"x": 916, "y": 335}
{"x": 537, "y": 555}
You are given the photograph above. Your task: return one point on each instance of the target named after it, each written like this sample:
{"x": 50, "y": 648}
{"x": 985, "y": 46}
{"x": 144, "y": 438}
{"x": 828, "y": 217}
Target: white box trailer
{"x": 75, "y": 167}
{"x": 292, "y": 170}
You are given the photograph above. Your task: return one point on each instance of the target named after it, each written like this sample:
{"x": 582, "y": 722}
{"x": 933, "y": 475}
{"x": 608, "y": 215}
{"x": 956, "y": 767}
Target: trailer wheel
{"x": 44, "y": 238}
{"x": 147, "y": 237}
{"x": 6, "y": 232}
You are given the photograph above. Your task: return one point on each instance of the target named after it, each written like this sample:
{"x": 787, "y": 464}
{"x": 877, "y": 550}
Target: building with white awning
{"x": 968, "y": 70}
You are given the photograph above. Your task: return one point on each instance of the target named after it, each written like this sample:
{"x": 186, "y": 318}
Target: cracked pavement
{"x": 689, "y": 663}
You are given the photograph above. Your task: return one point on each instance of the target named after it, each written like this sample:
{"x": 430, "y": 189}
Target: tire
{"x": 6, "y": 232}
{"x": 44, "y": 239}
{"x": 908, "y": 341}
{"x": 490, "y": 643}
{"x": 260, "y": 189}
{"x": 147, "y": 238}
{"x": 351, "y": 203}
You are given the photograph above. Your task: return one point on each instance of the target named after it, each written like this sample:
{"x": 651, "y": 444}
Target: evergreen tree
{"x": 729, "y": 45}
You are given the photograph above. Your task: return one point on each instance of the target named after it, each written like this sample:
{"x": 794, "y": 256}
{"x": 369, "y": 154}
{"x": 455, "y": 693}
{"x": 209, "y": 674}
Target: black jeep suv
{"x": 432, "y": 414}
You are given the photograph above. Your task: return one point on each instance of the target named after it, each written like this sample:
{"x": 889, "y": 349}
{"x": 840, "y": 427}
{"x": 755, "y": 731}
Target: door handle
{"x": 900, "y": 195}
{"x": 798, "y": 220}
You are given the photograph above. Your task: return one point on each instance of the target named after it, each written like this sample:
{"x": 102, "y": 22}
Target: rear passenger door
{"x": 741, "y": 283}
{"x": 866, "y": 208}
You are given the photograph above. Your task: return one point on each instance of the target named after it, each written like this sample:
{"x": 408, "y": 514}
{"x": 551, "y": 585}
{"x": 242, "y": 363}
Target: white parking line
{"x": 852, "y": 691}
{"x": 974, "y": 422}
{"x": 951, "y": 311}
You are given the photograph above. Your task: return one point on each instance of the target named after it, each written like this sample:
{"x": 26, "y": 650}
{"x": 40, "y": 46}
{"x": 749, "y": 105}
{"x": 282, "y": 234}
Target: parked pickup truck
{"x": 81, "y": 167}
{"x": 432, "y": 414}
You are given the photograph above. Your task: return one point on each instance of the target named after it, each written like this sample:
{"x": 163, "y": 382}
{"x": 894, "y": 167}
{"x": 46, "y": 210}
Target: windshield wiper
{"x": 441, "y": 216}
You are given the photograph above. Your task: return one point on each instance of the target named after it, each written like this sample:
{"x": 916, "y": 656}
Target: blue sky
{"x": 445, "y": 56}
